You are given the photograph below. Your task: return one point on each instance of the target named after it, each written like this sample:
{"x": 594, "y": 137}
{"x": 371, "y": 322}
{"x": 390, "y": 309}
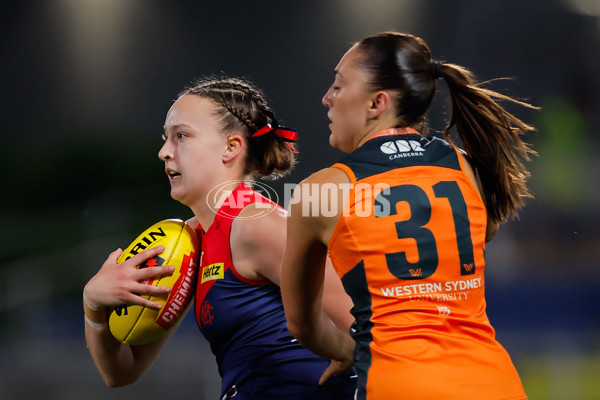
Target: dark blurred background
{"x": 86, "y": 85}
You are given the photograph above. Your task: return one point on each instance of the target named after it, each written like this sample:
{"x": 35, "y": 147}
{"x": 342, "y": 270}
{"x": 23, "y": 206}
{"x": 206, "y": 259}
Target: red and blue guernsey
{"x": 245, "y": 324}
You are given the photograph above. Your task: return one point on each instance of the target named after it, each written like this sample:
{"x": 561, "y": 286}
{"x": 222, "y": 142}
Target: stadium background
{"x": 85, "y": 88}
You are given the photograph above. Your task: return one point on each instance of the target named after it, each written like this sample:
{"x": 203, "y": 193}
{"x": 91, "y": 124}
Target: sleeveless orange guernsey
{"x": 409, "y": 248}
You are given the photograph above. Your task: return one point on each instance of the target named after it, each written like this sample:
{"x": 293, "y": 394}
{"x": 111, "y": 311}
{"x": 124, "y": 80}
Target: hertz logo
{"x": 212, "y": 271}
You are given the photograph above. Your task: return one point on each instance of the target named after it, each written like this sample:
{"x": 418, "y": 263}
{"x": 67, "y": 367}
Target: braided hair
{"x": 242, "y": 107}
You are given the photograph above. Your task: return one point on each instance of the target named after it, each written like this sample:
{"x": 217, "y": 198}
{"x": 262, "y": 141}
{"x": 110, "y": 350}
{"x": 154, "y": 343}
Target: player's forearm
{"x": 322, "y": 337}
{"x": 113, "y": 359}
{"x": 336, "y": 303}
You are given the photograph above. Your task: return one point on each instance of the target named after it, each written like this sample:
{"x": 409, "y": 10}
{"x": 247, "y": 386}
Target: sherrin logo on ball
{"x": 136, "y": 325}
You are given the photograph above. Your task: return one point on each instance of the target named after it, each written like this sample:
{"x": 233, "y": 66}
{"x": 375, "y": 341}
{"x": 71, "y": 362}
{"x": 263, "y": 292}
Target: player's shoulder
{"x": 328, "y": 175}
{"x": 319, "y": 187}
{"x": 258, "y": 222}
{"x": 261, "y": 213}
{"x": 257, "y": 240}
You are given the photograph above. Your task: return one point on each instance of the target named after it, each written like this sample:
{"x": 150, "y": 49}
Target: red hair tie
{"x": 286, "y": 134}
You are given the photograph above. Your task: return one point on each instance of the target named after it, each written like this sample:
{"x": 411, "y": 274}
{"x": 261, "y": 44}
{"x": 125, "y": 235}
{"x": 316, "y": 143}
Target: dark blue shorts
{"x": 296, "y": 380}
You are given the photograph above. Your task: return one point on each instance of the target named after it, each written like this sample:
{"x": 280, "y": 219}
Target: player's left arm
{"x": 304, "y": 270}
{"x": 336, "y": 302}
{"x": 120, "y": 364}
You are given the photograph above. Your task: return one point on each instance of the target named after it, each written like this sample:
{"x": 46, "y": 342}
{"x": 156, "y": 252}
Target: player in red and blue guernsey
{"x": 244, "y": 321}
{"x": 219, "y": 133}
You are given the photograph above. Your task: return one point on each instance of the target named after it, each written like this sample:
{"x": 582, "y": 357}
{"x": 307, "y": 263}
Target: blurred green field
{"x": 563, "y": 377}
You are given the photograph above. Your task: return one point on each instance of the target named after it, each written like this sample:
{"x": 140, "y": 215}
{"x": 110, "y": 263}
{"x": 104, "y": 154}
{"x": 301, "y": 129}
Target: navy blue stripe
{"x": 385, "y": 153}
{"x": 355, "y": 284}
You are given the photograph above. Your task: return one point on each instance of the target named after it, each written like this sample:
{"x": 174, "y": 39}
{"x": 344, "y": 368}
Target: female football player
{"x": 407, "y": 237}
{"x": 218, "y": 134}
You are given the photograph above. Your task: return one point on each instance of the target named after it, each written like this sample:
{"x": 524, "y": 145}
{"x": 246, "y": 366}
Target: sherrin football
{"x": 136, "y": 325}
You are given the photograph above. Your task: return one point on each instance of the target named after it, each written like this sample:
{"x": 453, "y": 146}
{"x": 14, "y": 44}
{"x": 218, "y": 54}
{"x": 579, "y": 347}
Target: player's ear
{"x": 234, "y": 146}
{"x": 380, "y": 102}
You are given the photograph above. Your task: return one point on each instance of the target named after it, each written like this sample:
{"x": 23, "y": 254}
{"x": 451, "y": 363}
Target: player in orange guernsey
{"x": 405, "y": 222}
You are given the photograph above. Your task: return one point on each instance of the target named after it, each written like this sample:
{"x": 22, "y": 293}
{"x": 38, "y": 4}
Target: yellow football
{"x": 136, "y": 325}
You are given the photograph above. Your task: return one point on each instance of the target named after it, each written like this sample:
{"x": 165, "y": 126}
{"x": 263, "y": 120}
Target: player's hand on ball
{"x": 148, "y": 286}
{"x": 125, "y": 283}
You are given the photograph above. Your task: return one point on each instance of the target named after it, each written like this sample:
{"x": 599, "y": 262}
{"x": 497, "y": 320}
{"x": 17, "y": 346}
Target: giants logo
{"x": 415, "y": 273}
{"x": 444, "y": 310}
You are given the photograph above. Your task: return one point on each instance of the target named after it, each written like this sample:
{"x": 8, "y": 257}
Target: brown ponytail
{"x": 492, "y": 138}
{"x": 490, "y": 135}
